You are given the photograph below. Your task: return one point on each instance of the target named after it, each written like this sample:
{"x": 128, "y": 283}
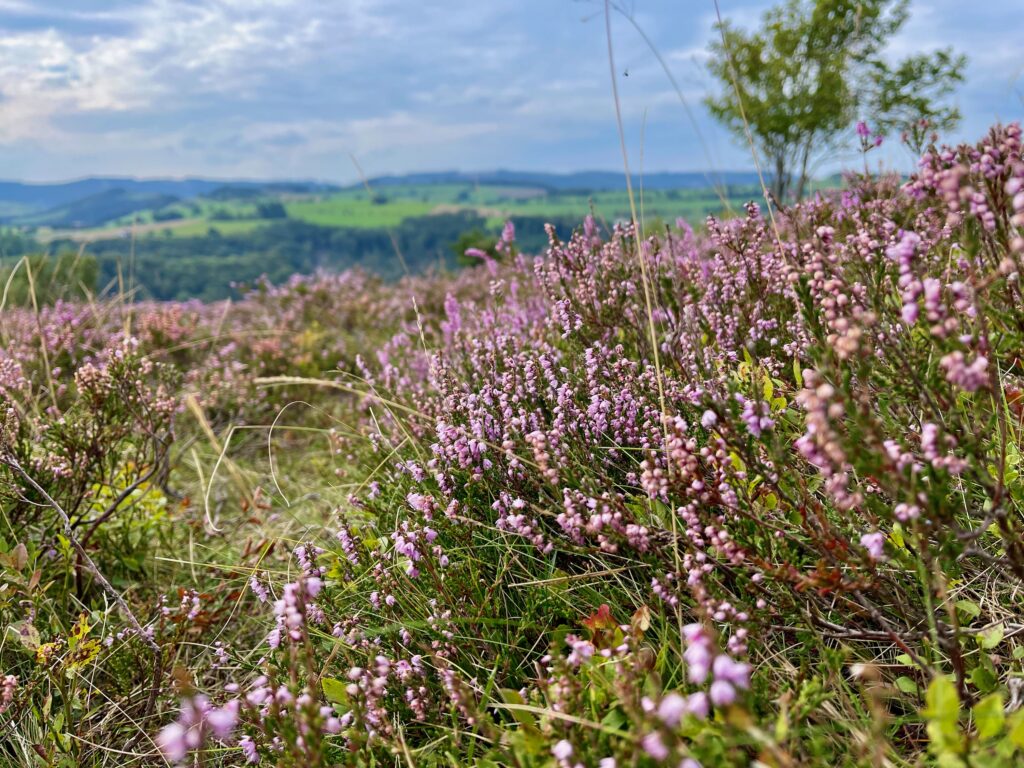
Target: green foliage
{"x": 271, "y": 209}
{"x": 475, "y": 238}
{"x": 908, "y": 98}
{"x": 209, "y": 265}
{"x": 814, "y": 67}
{"x": 68, "y": 276}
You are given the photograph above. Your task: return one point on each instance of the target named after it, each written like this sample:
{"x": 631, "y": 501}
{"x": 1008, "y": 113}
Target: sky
{"x": 298, "y": 88}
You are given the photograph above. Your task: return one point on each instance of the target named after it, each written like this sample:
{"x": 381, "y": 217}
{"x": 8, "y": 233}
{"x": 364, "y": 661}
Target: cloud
{"x": 173, "y": 53}
{"x": 291, "y": 87}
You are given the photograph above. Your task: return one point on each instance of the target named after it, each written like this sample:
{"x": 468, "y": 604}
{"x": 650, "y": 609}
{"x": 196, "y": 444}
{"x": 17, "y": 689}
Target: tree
{"x": 814, "y": 68}
{"x": 272, "y": 209}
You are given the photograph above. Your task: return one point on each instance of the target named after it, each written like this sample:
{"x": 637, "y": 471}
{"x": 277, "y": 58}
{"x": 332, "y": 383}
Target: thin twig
{"x": 90, "y": 565}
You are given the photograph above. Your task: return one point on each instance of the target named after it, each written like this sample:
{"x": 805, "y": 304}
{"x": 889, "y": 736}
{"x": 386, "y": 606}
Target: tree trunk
{"x": 780, "y": 184}
{"x": 802, "y": 182}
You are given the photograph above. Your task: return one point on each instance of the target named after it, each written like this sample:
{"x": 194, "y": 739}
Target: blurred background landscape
{"x": 198, "y": 146}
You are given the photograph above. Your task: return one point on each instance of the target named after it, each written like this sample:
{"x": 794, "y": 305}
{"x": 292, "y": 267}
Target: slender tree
{"x": 814, "y": 68}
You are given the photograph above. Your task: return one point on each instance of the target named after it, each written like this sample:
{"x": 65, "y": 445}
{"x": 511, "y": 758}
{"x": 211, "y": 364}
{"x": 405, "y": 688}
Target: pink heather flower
{"x": 734, "y": 672}
{"x": 8, "y": 685}
{"x": 173, "y": 742}
{"x": 418, "y": 501}
{"x": 562, "y": 750}
{"x": 450, "y": 326}
{"x": 259, "y": 590}
{"x": 698, "y": 705}
{"x": 607, "y": 762}
{"x": 223, "y": 721}
{"x": 722, "y": 693}
{"x": 693, "y": 633}
{"x": 313, "y": 586}
{"x": 654, "y": 746}
{"x": 708, "y": 419}
{"x": 196, "y": 721}
{"x": 907, "y": 512}
{"x": 910, "y": 313}
{"x": 508, "y": 236}
{"x": 698, "y": 663}
{"x": 968, "y": 377}
{"x": 689, "y": 762}
{"x": 249, "y": 751}
{"x": 874, "y": 543}
{"x": 671, "y": 709}
{"x": 862, "y": 129}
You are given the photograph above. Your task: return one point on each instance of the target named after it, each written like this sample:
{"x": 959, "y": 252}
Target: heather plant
{"x": 745, "y": 495}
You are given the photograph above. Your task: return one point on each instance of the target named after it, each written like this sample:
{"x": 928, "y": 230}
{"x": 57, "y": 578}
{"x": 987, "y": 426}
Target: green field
{"x": 345, "y": 210}
{"x": 389, "y": 206}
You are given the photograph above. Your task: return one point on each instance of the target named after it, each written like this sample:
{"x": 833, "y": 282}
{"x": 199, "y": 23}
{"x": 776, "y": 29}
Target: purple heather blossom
{"x": 874, "y": 543}
{"x": 722, "y": 694}
{"x": 672, "y": 708}
{"x": 562, "y": 750}
{"x": 699, "y": 705}
{"x": 654, "y": 746}
{"x": 249, "y": 750}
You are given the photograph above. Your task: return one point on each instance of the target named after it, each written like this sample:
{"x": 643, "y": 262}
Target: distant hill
{"x": 582, "y": 180}
{"x": 102, "y": 201}
{"x": 95, "y": 210}
{"x": 59, "y": 204}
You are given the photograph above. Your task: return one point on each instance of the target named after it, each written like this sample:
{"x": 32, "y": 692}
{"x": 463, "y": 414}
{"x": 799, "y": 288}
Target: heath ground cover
{"x": 747, "y": 495}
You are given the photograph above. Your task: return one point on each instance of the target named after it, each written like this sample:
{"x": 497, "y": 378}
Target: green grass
{"x": 350, "y": 211}
{"x": 201, "y": 228}
{"x": 387, "y": 207}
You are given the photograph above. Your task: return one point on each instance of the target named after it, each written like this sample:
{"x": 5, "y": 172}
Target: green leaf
{"x": 782, "y": 725}
{"x": 968, "y": 608}
{"x": 984, "y": 679}
{"x": 989, "y": 716}
{"x": 334, "y": 690}
{"x": 942, "y": 701}
{"x": 525, "y": 719}
{"x": 990, "y": 638}
{"x": 906, "y": 684}
{"x": 1016, "y": 724}
{"x": 943, "y": 711}
{"x": 615, "y": 719}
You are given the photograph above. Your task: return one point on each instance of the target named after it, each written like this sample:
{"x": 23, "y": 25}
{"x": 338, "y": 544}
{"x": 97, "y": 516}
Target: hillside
{"x": 746, "y": 496}
{"x": 215, "y": 236}
{"x": 602, "y": 181}
{"x": 29, "y": 204}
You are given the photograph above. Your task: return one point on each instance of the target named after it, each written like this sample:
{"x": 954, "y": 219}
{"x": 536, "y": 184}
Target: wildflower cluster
{"x": 675, "y": 498}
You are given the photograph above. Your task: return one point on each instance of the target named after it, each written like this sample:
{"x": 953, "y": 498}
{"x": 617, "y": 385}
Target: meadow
{"x": 393, "y": 204}
{"x": 650, "y": 496}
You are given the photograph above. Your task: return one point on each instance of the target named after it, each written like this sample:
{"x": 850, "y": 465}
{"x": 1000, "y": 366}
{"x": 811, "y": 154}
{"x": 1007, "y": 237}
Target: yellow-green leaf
{"x": 334, "y": 690}
{"x": 989, "y": 716}
{"x": 990, "y": 638}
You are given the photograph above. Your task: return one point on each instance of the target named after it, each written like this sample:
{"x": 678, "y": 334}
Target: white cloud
{"x": 291, "y": 87}
{"x": 171, "y": 52}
